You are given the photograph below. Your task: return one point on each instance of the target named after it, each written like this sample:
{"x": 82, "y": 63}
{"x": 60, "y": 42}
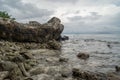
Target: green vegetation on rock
{"x": 4, "y": 14}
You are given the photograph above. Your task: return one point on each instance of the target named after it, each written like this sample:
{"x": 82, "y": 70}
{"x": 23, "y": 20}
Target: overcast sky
{"x": 78, "y": 16}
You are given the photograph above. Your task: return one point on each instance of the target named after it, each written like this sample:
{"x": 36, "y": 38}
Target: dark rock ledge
{"x": 14, "y": 31}
{"x": 48, "y": 33}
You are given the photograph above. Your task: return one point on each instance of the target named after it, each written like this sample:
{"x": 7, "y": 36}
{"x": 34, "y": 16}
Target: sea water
{"x": 103, "y": 58}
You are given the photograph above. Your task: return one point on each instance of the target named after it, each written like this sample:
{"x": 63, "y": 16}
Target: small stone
{"x": 18, "y": 59}
{"x": 37, "y": 71}
{"x": 28, "y": 78}
{"x": 52, "y": 59}
{"x": 64, "y": 38}
{"x": 117, "y": 68}
{"x": 63, "y": 59}
{"x": 23, "y": 70}
{"x": 27, "y": 55}
{"x": 65, "y": 74}
{"x": 75, "y": 72}
{"x": 31, "y": 62}
{"x": 27, "y": 66}
{"x": 83, "y": 56}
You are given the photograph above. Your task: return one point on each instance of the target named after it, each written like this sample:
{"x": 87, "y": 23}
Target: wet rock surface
{"x": 18, "y": 63}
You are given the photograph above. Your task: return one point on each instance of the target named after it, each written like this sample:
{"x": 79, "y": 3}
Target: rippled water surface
{"x": 102, "y": 58}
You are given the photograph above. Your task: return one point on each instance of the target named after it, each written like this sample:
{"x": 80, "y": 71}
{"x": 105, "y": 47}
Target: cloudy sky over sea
{"x": 78, "y": 16}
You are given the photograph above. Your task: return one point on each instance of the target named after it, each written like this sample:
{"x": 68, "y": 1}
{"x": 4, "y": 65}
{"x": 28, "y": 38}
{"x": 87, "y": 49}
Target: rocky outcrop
{"x": 14, "y": 31}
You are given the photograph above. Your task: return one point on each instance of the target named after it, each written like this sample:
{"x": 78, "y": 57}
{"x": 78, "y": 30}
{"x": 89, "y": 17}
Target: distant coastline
{"x": 91, "y": 32}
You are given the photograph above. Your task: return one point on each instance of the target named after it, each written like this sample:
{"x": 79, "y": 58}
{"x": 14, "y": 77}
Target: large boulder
{"x": 14, "y": 31}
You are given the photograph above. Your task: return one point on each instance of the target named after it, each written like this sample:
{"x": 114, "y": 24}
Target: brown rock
{"x": 27, "y": 66}
{"x": 3, "y": 75}
{"x": 64, "y": 38}
{"x": 18, "y": 59}
{"x": 14, "y": 31}
{"x": 7, "y": 66}
{"x": 113, "y": 76}
{"x": 37, "y": 71}
{"x": 62, "y": 59}
{"x": 27, "y": 55}
{"x": 16, "y": 74}
{"x": 80, "y": 75}
{"x": 28, "y": 78}
{"x": 117, "y": 68}
{"x": 53, "y": 44}
{"x": 23, "y": 70}
{"x": 83, "y": 56}
{"x": 75, "y": 72}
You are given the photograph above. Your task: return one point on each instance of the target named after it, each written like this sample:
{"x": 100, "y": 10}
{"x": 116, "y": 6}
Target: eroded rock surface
{"x": 14, "y": 31}
{"x": 20, "y": 63}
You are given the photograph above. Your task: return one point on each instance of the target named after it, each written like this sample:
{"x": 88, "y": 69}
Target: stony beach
{"x": 22, "y": 61}
{"x": 46, "y": 57}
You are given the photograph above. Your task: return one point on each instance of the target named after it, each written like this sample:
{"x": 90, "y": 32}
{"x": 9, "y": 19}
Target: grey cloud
{"x": 69, "y": 12}
{"x": 79, "y": 27}
{"x": 109, "y": 20}
{"x": 63, "y": 1}
{"x": 22, "y": 11}
{"x": 94, "y": 23}
{"x": 115, "y": 2}
{"x": 93, "y": 16}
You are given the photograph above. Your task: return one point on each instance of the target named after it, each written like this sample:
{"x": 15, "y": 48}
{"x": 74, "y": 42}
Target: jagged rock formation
{"x": 15, "y": 58}
{"x": 34, "y": 32}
